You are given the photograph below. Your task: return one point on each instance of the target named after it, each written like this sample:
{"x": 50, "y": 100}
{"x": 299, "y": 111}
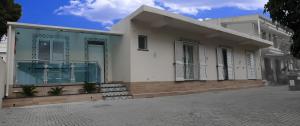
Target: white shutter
{"x": 202, "y": 63}
{"x": 230, "y": 64}
{"x": 251, "y": 69}
{"x": 220, "y": 65}
{"x": 195, "y": 61}
{"x": 179, "y": 63}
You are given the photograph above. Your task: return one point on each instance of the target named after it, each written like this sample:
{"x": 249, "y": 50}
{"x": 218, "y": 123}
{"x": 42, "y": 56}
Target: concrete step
{"x": 112, "y": 85}
{"x": 122, "y": 93}
{"x": 115, "y": 89}
{"x": 118, "y": 97}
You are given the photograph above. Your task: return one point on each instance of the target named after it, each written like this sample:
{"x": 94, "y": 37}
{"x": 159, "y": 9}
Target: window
{"x": 51, "y": 50}
{"x": 142, "y": 43}
{"x": 263, "y": 35}
{"x": 270, "y": 37}
{"x": 275, "y": 41}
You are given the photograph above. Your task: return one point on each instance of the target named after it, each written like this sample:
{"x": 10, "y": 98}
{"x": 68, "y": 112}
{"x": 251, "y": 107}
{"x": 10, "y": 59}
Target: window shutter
{"x": 251, "y": 69}
{"x": 220, "y": 65}
{"x": 202, "y": 63}
{"x": 179, "y": 64}
{"x": 230, "y": 64}
{"x": 196, "y": 64}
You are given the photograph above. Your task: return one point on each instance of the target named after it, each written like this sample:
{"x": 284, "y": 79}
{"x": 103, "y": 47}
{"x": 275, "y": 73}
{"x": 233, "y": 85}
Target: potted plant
{"x": 89, "y": 87}
{"x": 56, "y": 91}
{"x": 29, "y": 90}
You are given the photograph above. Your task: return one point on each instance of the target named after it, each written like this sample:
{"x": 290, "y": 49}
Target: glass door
{"x": 96, "y": 55}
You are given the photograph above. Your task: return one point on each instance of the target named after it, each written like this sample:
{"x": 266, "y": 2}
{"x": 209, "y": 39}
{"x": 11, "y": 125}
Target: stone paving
{"x": 266, "y": 106}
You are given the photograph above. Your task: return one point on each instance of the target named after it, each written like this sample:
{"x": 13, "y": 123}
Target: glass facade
{"x": 50, "y": 57}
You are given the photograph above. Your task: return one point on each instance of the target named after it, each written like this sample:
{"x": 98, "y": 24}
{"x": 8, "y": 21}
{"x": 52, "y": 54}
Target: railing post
{"x": 45, "y": 73}
{"x": 72, "y": 73}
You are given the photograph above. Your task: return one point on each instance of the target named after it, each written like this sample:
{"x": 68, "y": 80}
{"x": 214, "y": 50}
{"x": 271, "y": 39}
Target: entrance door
{"x": 96, "y": 55}
{"x": 225, "y": 64}
{"x": 250, "y": 62}
{"x": 188, "y": 62}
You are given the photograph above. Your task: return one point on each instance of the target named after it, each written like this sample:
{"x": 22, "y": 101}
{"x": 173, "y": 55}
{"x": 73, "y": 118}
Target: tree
{"x": 9, "y": 11}
{"x": 287, "y": 13}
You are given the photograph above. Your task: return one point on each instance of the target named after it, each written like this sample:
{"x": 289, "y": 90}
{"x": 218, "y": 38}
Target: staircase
{"x": 115, "y": 91}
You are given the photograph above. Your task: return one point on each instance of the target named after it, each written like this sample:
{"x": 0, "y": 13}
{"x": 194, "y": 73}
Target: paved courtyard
{"x": 267, "y": 106}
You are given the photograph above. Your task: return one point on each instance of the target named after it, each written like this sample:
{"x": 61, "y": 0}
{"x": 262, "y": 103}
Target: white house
{"x": 152, "y": 51}
{"x": 276, "y": 60}
{"x": 3, "y": 43}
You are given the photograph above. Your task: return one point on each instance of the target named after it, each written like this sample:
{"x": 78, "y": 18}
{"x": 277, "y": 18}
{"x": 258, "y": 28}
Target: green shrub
{"x": 89, "y": 87}
{"x": 56, "y": 91}
{"x": 29, "y": 90}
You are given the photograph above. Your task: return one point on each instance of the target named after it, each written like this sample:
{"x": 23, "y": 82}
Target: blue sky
{"x": 102, "y": 14}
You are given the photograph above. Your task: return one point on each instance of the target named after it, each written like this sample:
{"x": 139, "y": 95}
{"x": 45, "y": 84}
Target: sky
{"x": 102, "y": 14}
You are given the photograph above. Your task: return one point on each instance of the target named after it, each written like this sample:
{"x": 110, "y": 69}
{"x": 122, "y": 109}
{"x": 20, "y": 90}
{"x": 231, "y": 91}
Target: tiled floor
{"x": 267, "y": 106}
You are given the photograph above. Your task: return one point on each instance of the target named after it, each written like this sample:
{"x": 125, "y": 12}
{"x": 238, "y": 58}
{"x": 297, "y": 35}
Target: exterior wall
{"x": 2, "y": 79}
{"x": 121, "y": 52}
{"x": 157, "y": 63}
{"x": 248, "y": 28}
{"x": 153, "y": 89}
{"x": 3, "y": 43}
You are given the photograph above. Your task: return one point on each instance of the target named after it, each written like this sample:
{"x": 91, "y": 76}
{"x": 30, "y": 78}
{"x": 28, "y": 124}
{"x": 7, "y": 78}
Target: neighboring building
{"x": 153, "y": 51}
{"x": 3, "y": 43}
{"x": 277, "y": 61}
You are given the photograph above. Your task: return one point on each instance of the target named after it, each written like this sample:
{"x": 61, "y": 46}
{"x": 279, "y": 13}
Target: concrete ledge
{"x": 151, "y": 89}
{"x": 18, "y": 102}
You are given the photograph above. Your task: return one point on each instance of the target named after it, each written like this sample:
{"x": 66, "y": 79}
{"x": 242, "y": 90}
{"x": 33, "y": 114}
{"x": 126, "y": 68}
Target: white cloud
{"x": 203, "y": 19}
{"x": 106, "y": 11}
{"x": 193, "y": 7}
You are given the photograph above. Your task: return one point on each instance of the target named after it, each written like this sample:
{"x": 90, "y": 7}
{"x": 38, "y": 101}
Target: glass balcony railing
{"x": 40, "y": 72}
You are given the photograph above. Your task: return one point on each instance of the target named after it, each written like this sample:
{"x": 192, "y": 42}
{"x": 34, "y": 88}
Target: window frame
{"x": 51, "y": 49}
{"x": 145, "y": 38}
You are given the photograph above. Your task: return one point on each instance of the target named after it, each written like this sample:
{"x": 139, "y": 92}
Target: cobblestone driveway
{"x": 267, "y": 106}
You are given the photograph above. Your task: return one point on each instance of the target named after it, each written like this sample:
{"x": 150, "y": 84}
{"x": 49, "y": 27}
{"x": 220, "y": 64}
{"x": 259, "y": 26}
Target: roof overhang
{"x": 162, "y": 19}
{"x": 48, "y": 27}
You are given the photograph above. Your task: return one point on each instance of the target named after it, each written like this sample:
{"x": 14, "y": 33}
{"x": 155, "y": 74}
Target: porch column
{"x": 258, "y": 27}
{"x": 10, "y": 58}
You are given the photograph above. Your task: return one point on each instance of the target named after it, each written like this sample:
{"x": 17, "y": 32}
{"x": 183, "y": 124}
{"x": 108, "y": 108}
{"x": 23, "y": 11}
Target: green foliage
{"x": 89, "y": 87}
{"x": 9, "y": 11}
{"x": 57, "y": 91}
{"x": 287, "y": 13}
{"x": 28, "y": 90}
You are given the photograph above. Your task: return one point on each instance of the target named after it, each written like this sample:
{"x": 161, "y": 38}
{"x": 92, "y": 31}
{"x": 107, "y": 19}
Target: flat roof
{"x": 211, "y": 27}
{"x": 50, "y": 27}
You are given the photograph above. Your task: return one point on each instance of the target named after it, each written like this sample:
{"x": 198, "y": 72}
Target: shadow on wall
{"x": 2, "y": 79}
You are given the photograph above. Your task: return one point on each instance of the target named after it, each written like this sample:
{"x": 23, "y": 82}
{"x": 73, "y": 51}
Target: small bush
{"x": 89, "y": 87}
{"x": 29, "y": 90}
{"x": 56, "y": 91}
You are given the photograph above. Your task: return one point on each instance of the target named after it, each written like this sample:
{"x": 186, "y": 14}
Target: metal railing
{"x": 43, "y": 72}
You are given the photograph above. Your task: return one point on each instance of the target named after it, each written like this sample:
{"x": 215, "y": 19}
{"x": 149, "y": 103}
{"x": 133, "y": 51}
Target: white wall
{"x": 248, "y": 28}
{"x": 121, "y": 52}
{"x": 2, "y": 79}
{"x": 157, "y": 63}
